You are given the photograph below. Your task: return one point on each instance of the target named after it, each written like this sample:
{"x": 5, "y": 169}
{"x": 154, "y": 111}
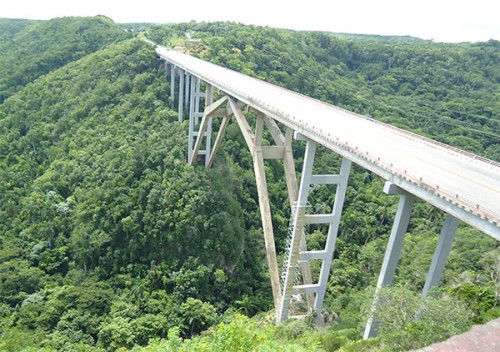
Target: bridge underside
{"x": 294, "y": 292}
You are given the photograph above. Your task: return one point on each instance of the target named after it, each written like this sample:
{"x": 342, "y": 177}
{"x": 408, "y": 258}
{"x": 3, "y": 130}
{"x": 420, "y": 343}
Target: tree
{"x": 197, "y": 316}
{"x": 408, "y": 322}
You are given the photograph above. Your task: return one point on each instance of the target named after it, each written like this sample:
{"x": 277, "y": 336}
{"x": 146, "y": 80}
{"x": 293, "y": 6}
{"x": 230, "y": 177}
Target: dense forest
{"x": 110, "y": 241}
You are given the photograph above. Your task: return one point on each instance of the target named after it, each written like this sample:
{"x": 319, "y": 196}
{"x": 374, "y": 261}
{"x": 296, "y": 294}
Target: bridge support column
{"x": 181, "y": 95}
{"x": 291, "y": 182}
{"x": 187, "y": 88}
{"x": 297, "y": 251}
{"x": 205, "y": 130}
{"x": 265, "y": 209}
{"x": 254, "y": 143}
{"x": 165, "y": 67}
{"x": 218, "y": 141}
{"x": 441, "y": 254}
{"x": 393, "y": 250}
{"x": 172, "y": 81}
{"x": 209, "y": 99}
{"x": 205, "y": 126}
{"x": 314, "y": 293}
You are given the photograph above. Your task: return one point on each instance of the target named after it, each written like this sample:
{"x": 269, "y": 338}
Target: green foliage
{"x": 479, "y": 298}
{"x": 10, "y": 27}
{"x": 239, "y": 334}
{"x": 33, "y": 48}
{"x": 408, "y": 322}
{"x": 110, "y": 241}
{"x": 197, "y": 315}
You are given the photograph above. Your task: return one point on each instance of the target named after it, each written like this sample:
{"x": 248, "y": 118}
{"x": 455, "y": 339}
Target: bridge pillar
{"x": 204, "y": 131}
{"x": 393, "y": 250}
{"x": 181, "y": 95}
{"x": 297, "y": 250}
{"x": 441, "y": 254}
{"x": 187, "y": 88}
{"x": 165, "y": 67}
{"x": 265, "y": 209}
{"x": 172, "y": 81}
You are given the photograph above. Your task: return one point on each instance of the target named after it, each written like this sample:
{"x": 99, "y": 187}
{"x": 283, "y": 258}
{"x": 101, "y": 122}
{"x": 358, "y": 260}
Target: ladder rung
{"x": 197, "y": 133}
{"x": 202, "y": 152}
{"x": 318, "y": 219}
{"x": 326, "y": 179}
{"x": 311, "y": 255}
{"x": 313, "y": 288}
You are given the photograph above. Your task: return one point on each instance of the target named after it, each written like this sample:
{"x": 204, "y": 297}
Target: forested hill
{"x": 10, "y": 27}
{"x": 30, "y": 49}
{"x": 109, "y": 240}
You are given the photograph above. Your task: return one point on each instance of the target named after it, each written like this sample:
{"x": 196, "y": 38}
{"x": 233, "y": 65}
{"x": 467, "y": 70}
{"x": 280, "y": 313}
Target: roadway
{"x": 464, "y": 185}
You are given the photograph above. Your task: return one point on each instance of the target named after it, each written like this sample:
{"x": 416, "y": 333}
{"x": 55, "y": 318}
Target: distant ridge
{"x": 379, "y": 37}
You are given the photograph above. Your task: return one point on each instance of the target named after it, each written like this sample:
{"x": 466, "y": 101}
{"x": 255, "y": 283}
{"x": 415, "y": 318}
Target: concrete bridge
{"x": 465, "y": 186}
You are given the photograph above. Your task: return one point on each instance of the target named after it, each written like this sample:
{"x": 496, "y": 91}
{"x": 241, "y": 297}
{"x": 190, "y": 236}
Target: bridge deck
{"x": 464, "y": 185}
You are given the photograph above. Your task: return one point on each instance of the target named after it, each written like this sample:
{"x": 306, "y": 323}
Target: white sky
{"x": 441, "y": 20}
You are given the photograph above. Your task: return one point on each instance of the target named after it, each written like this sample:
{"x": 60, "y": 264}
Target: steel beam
{"x": 298, "y": 250}
{"x": 192, "y": 112}
{"x": 273, "y": 152}
{"x": 285, "y": 141}
{"x": 197, "y": 95}
{"x": 289, "y": 165}
{"x": 254, "y": 143}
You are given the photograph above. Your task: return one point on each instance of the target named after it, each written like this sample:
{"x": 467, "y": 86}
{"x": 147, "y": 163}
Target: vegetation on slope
{"x": 31, "y": 49}
{"x": 109, "y": 240}
{"x": 98, "y": 204}
{"x": 10, "y": 27}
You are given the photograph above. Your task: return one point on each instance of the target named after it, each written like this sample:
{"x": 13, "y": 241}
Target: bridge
{"x": 465, "y": 186}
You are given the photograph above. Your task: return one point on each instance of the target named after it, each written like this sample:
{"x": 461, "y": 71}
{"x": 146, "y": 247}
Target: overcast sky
{"x": 441, "y": 20}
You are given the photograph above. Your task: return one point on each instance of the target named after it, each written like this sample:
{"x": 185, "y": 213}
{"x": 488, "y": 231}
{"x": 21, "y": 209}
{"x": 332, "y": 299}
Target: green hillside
{"x": 110, "y": 241}
{"x": 31, "y": 49}
{"x": 10, "y": 27}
